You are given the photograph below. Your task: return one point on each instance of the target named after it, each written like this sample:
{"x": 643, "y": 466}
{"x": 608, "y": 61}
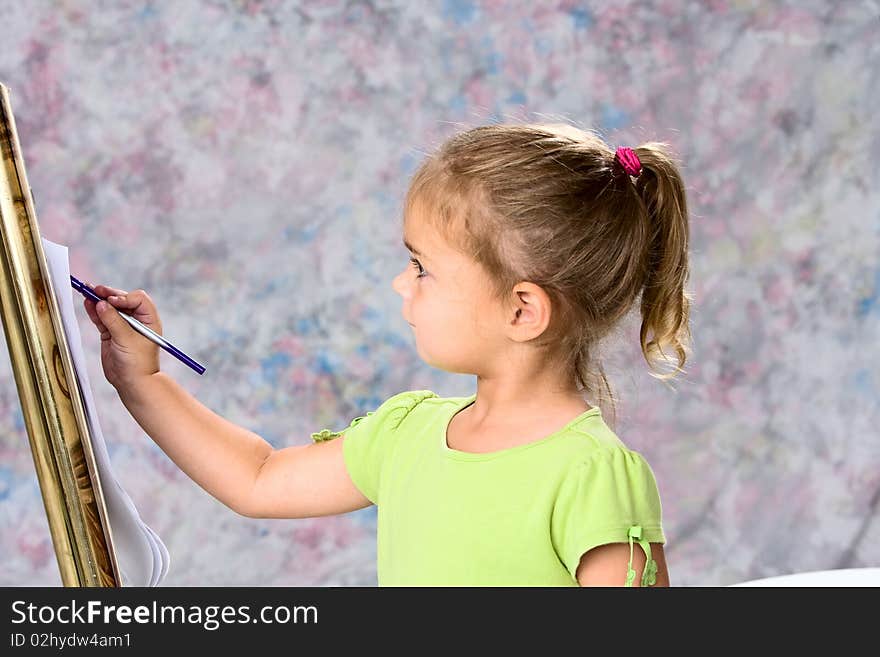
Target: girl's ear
{"x": 530, "y": 313}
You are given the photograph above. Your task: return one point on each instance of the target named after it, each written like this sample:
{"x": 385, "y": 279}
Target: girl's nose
{"x": 399, "y": 284}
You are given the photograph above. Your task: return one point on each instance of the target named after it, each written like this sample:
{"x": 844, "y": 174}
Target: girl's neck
{"x": 493, "y": 423}
{"x": 506, "y": 403}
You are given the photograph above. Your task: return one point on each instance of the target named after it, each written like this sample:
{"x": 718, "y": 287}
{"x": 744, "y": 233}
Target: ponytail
{"x": 665, "y": 304}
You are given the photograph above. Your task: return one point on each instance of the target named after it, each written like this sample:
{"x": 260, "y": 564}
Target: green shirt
{"x": 521, "y": 516}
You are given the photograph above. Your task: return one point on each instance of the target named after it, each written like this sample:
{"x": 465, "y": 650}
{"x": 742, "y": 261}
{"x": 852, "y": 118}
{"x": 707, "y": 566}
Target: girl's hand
{"x": 126, "y": 355}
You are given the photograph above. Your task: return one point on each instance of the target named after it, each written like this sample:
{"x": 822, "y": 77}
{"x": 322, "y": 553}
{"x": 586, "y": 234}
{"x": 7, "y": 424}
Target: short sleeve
{"x": 611, "y": 497}
{"x": 369, "y": 439}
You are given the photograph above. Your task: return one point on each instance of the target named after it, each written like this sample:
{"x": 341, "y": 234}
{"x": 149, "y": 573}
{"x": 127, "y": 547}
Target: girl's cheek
{"x": 415, "y": 298}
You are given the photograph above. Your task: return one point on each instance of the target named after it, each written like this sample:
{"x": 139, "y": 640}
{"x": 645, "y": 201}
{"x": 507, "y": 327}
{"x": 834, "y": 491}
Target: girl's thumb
{"x": 110, "y": 318}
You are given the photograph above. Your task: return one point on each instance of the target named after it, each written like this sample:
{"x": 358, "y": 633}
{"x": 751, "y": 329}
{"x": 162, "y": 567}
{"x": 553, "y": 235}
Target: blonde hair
{"x": 549, "y": 204}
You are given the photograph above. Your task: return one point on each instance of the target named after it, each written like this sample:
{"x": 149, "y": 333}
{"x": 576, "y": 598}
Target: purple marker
{"x": 148, "y": 333}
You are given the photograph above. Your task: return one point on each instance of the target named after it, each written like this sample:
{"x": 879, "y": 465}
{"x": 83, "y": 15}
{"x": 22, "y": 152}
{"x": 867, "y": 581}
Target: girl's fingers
{"x": 137, "y": 303}
{"x": 104, "y": 291}
{"x": 134, "y": 300}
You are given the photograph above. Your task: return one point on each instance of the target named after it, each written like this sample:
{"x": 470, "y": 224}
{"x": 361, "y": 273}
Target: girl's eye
{"x": 418, "y": 267}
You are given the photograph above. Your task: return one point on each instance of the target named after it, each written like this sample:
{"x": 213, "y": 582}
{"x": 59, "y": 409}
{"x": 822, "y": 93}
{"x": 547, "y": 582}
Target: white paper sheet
{"x": 142, "y": 557}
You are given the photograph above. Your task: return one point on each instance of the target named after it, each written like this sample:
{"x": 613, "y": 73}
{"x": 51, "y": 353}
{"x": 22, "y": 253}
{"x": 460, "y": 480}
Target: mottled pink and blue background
{"x": 245, "y": 162}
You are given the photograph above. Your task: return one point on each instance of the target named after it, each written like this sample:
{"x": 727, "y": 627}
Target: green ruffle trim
{"x": 325, "y": 434}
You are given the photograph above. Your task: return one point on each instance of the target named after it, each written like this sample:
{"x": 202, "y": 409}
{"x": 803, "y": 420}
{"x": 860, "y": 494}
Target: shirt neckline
{"x": 464, "y": 402}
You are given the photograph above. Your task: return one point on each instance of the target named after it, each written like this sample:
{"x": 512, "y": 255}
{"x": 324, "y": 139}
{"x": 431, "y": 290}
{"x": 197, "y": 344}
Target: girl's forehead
{"x": 421, "y": 237}
{"x": 421, "y": 230}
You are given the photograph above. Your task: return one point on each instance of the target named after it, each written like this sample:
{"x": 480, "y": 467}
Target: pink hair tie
{"x": 629, "y": 161}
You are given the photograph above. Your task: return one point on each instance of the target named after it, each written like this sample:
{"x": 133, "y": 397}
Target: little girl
{"x": 529, "y": 244}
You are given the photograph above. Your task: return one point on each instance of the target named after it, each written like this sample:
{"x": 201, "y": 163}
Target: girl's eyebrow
{"x": 411, "y": 248}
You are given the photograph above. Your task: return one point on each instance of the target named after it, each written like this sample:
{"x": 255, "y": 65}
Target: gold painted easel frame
{"x": 50, "y": 397}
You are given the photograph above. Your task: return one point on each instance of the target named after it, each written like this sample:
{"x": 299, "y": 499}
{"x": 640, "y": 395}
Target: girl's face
{"x": 446, "y": 299}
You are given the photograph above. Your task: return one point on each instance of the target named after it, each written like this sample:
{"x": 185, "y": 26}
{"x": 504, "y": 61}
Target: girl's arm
{"x": 237, "y": 466}
{"x": 606, "y": 565}
{"x": 304, "y": 481}
{"x": 233, "y": 464}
